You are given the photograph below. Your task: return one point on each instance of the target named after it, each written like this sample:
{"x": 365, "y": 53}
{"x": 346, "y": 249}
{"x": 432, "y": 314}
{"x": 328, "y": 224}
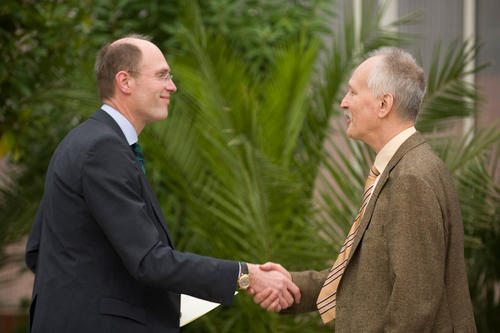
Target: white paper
{"x": 193, "y": 308}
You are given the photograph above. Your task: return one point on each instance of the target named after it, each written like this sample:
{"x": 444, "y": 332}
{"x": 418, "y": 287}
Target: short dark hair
{"x": 115, "y": 57}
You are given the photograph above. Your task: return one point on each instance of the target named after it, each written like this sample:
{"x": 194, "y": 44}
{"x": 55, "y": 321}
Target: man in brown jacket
{"x": 405, "y": 270}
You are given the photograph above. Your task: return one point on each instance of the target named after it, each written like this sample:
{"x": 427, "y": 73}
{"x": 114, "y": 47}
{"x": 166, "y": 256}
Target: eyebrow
{"x": 163, "y": 71}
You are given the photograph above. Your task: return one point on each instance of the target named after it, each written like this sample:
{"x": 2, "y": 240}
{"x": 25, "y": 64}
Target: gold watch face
{"x": 244, "y": 281}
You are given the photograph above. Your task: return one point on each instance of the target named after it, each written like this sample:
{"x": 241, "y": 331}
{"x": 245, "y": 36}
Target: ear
{"x": 124, "y": 82}
{"x": 386, "y": 104}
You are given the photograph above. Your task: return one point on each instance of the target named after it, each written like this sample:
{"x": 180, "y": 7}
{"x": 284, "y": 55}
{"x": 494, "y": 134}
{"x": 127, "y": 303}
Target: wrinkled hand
{"x": 272, "y": 286}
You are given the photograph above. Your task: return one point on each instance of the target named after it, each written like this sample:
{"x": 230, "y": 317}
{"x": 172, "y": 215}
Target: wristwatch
{"x": 244, "y": 278}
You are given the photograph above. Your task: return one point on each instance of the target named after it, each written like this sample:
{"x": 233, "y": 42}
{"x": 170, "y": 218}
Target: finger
{"x": 295, "y": 291}
{"x": 272, "y": 298}
{"x": 268, "y": 266}
{"x": 282, "y": 270}
{"x": 270, "y": 301}
{"x": 260, "y": 297}
{"x": 288, "y": 299}
{"x": 271, "y": 266}
{"x": 250, "y": 291}
{"x": 283, "y": 302}
{"x": 274, "y": 307}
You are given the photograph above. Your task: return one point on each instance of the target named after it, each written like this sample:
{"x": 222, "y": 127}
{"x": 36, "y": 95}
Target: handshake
{"x": 272, "y": 287}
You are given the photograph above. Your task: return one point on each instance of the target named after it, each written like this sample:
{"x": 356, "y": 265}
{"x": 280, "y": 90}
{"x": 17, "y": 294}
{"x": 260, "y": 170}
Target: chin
{"x": 349, "y": 132}
{"x": 353, "y": 135}
{"x": 162, "y": 114}
{"x": 158, "y": 117}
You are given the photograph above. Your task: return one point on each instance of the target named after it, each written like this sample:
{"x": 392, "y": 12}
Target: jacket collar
{"x": 102, "y": 116}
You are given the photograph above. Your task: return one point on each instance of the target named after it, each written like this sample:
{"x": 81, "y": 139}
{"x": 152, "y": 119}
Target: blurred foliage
{"x": 42, "y": 44}
{"x": 253, "y": 162}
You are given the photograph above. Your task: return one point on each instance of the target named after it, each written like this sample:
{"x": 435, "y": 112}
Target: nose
{"x": 344, "y": 104}
{"x": 171, "y": 86}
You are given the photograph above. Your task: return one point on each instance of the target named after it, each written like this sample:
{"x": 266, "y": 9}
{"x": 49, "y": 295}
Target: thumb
{"x": 268, "y": 266}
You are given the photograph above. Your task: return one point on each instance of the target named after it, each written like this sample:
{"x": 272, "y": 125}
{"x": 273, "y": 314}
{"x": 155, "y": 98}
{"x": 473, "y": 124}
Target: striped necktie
{"x": 327, "y": 299}
{"x": 138, "y": 155}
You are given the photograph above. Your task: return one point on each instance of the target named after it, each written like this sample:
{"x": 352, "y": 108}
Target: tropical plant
{"x": 477, "y": 159}
{"x": 41, "y": 45}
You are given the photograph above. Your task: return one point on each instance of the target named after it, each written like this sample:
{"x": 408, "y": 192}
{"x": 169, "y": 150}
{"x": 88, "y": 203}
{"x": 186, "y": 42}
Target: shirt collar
{"x": 125, "y": 125}
{"x": 387, "y": 152}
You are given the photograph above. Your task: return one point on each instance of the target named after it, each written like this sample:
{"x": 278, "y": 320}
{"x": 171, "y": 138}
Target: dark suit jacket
{"x": 100, "y": 248}
{"x": 406, "y": 272}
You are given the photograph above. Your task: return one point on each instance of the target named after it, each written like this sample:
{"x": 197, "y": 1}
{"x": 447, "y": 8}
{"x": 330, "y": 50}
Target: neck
{"x": 387, "y": 133}
{"x": 126, "y": 111}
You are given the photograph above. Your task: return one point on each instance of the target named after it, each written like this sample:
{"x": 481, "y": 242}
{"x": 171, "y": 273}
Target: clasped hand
{"x": 272, "y": 286}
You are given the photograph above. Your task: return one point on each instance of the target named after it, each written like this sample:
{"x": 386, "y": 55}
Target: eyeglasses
{"x": 165, "y": 76}
{"x": 162, "y": 76}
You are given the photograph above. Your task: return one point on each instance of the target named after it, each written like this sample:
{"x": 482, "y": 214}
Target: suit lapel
{"x": 150, "y": 198}
{"x": 412, "y": 142}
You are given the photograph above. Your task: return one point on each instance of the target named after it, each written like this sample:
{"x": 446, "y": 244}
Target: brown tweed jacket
{"x": 406, "y": 272}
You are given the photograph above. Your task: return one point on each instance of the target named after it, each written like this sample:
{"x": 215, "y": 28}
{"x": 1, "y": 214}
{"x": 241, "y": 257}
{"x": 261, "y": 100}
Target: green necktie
{"x": 138, "y": 155}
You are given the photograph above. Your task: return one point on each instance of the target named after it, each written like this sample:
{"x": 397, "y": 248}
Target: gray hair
{"x": 398, "y": 73}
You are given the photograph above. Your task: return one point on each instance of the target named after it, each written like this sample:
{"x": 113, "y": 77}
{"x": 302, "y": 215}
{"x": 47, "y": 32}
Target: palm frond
{"x": 281, "y": 127}
{"x": 458, "y": 152}
{"x": 479, "y": 197}
{"x": 449, "y": 96}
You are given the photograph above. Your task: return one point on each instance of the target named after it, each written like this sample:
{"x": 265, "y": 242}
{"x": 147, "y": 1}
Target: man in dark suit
{"x": 401, "y": 268}
{"x": 100, "y": 249}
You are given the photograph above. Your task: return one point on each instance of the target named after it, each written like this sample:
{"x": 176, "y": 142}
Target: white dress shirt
{"x": 125, "y": 125}
{"x": 387, "y": 152}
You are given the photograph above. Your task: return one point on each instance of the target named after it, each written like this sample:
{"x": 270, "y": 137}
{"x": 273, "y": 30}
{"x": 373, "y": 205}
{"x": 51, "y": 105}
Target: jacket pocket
{"x": 115, "y": 307}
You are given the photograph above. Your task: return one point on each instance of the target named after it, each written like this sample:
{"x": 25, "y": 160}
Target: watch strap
{"x": 244, "y": 268}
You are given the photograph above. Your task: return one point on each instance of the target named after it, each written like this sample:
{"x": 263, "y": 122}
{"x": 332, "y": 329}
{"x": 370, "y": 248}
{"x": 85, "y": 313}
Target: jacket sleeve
{"x": 309, "y": 283}
{"x": 113, "y": 191}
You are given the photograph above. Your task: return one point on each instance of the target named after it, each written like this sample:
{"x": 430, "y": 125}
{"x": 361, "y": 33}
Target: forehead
{"x": 152, "y": 57}
{"x": 362, "y": 72}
